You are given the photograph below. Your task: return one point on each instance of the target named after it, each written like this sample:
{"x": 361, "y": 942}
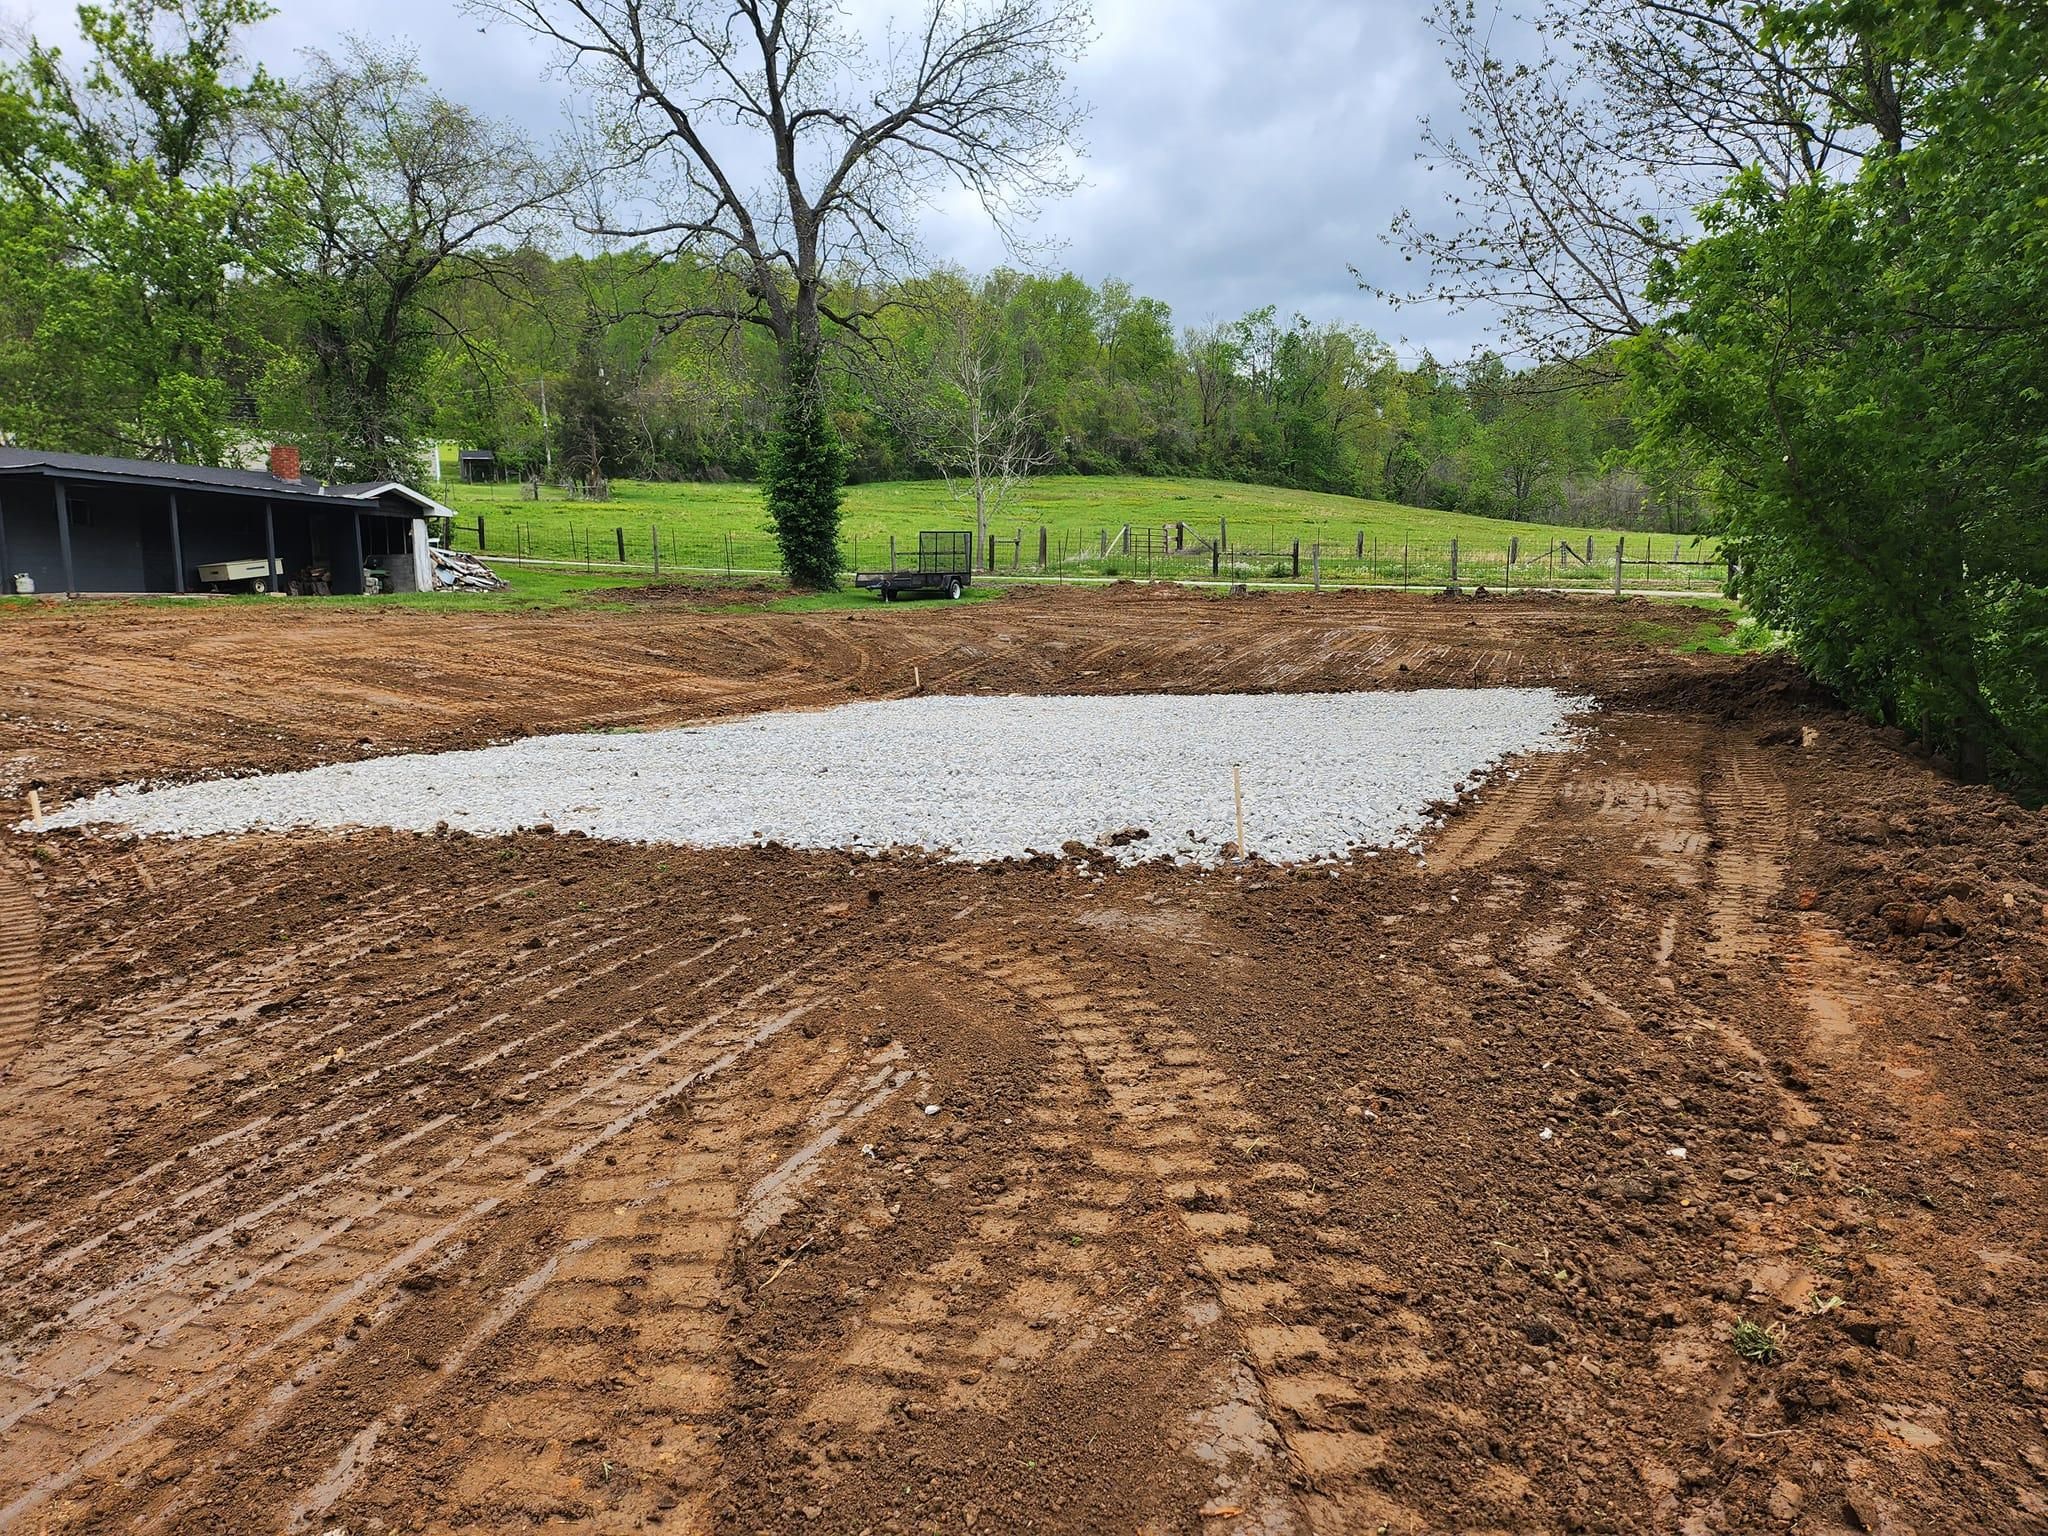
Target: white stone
{"x": 973, "y": 777}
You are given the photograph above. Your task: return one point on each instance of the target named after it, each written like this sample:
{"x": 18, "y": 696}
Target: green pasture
{"x": 1084, "y": 506}
{"x": 1077, "y": 526}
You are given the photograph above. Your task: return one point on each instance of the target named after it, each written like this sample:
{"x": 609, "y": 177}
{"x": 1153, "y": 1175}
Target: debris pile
{"x": 455, "y": 571}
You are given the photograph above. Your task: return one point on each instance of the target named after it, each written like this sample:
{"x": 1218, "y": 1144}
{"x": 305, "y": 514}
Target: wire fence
{"x": 1174, "y": 552}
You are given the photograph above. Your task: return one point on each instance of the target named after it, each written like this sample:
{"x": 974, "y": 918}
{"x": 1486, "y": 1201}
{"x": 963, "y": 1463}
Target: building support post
{"x": 64, "y": 538}
{"x": 355, "y": 551}
{"x": 177, "y": 549}
{"x": 6, "y": 565}
{"x": 270, "y": 544}
{"x": 419, "y": 551}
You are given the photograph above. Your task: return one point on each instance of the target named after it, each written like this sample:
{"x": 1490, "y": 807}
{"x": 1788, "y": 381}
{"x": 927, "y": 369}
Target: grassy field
{"x": 1079, "y": 526}
{"x": 1080, "y": 507}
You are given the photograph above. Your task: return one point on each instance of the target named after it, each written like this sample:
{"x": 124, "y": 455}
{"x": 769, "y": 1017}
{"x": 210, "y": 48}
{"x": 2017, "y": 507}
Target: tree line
{"x": 1087, "y": 379}
{"x": 198, "y": 255}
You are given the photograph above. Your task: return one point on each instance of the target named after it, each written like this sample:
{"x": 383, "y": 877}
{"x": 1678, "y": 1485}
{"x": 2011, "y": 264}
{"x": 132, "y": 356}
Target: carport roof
{"x": 367, "y": 495}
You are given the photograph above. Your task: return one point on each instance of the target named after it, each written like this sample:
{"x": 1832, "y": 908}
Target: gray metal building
{"x": 81, "y": 523}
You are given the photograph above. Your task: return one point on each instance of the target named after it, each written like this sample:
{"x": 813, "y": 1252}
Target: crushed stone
{"x": 973, "y": 777}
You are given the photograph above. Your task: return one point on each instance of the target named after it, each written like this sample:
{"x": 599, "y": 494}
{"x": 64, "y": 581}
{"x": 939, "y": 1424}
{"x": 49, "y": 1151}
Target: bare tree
{"x": 691, "y": 100}
{"x": 1575, "y": 170}
{"x": 981, "y": 427}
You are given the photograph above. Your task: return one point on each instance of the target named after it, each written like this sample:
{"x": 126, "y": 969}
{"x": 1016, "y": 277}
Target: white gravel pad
{"x": 973, "y": 777}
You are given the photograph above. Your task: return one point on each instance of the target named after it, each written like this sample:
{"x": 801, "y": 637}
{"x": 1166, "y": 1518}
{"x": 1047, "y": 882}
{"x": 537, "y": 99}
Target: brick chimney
{"x": 284, "y": 462}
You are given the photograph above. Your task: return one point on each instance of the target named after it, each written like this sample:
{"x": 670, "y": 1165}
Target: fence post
{"x": 1589, "y": 549}
{"x": 1361, "y": 544}
{"x": 622, "y": 544}
{"x": 1223, "y": 533}
{"x": 1105, "y": 543}
{"x": 1297, "y": 559}
{"x": 728, "y": 554}
{"x": 892, "y": 554}
{"x": 1215, "y": 559}
{"x": 1454, "y": 566}
{"x": 1041, "y": 549}
{"x": 480, "y": 546}
{"x": 1617, "y": 567}
{"x": 654, "y": 538}
{"x": 1514, "y": 549}
{"x": 1315, "y": 555}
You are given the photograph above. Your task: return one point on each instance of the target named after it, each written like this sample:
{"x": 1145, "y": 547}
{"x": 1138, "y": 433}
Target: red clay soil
{"x": 373, "y": 1182}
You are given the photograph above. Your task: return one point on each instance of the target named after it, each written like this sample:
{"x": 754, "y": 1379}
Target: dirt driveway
{"x": 374, "y": 1183}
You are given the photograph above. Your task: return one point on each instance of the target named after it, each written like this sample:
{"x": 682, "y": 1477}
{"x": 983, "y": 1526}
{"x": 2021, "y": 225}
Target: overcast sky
{"x": 1240, "y": 152}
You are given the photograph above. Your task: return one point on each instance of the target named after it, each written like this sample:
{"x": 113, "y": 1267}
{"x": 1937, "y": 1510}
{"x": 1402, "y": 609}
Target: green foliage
{"x": 1076, "y": 508}
{"x": 1864, "y": 367}
{"x": 1107, "y": 387}
{"x": 403, "y": 190}
{"x": 1757, "y": 1343}
{"x": 124, "y": 217}
{"x": 373, "y": 285}
{"x": 806, "y": 467}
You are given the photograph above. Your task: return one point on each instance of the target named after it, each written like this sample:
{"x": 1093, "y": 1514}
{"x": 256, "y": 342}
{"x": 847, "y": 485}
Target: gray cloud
{"x": 1241, "y": 152}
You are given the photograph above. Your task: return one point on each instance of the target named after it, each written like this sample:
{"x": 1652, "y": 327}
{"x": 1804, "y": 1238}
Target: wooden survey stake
{"x": 1237, "y": 793}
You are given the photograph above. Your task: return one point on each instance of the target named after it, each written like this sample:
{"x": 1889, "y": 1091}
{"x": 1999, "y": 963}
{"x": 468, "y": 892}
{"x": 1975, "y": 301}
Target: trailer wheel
{"x": 953, "y": 587}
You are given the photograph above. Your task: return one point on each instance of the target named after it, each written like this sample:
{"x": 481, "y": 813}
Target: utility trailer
{"x": 252, "y": 574}
{"x": 945, "y": 567}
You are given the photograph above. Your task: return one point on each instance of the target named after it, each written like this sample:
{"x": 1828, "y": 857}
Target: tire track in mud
{"x": 20, "y": 967}
{"x": 180, "y": 1337}
{"x": 1522, "y": 792}
{"x": 336, "y": 1100}
{"x": 287, "y": 1159}
{"x": 1234, "y": 1193}
{"x": 958, "y": 1330}
{"x": 1032, "y": 1293}
{"x": 1750, "y": 814}
{"x": 609, "y": 1356}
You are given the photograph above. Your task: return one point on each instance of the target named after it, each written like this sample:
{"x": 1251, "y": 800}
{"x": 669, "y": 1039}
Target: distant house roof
{"x": 195, "y": 477}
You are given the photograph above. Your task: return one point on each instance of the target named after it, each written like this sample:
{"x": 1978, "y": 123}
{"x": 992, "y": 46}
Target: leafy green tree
{"x": 126, "y": 222}
{"x": 1864, "y": 364}
{"x": 404, "y": 193}
{"x": 806, "y": 466}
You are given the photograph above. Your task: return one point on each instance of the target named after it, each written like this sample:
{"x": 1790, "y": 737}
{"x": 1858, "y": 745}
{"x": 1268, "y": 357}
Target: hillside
{"x": 701, "y": 525}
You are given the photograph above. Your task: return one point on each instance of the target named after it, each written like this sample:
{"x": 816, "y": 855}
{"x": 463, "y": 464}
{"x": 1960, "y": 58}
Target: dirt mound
{"x": 1946, "y": 876}
{"x": 1763, "y": 692}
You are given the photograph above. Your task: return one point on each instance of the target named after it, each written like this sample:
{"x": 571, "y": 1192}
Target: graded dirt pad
{"x": 379, "y": 1182}
{"x": 96, "y": 696}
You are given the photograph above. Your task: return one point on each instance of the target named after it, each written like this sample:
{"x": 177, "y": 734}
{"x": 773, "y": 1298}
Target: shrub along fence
{"x": 1174, "y": 552}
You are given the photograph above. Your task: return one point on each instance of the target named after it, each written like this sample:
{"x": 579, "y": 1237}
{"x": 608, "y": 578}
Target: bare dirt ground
{"x": 374, "y": 1183}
